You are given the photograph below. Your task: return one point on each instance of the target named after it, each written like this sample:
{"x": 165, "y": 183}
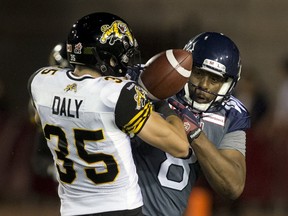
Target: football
{"x": 166, "y": 73}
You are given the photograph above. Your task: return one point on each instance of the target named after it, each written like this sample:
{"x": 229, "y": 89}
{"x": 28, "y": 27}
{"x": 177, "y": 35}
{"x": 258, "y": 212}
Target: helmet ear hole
{"x": 113, "y": 61}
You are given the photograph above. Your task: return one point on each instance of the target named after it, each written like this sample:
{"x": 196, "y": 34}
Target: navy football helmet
{"x": 58, "y": 56}
{"x": 217, "y": 54}
{"x": 102, "y": 41}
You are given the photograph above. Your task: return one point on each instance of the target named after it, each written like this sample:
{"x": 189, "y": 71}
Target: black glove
{"x": 134, "y": 72}
{"x": 191, "y": 123}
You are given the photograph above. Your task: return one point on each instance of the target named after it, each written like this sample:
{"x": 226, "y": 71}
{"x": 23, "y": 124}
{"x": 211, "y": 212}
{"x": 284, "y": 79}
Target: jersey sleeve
{"x": 238, "y": 116}
{"x": 240, "y": 121}
{"x": 234, "y": 140}
{"x": 132, "y": 110}
{"x": 29, "y": 86}
{"x": 30, "y": 81}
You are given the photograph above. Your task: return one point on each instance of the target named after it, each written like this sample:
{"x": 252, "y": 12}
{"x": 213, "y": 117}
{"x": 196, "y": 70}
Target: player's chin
{"x": 202, "y": 99}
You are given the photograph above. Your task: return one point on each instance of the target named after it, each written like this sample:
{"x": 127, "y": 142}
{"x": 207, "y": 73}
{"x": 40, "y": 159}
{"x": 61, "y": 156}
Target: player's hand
{"x": 134, "y": 72}
{"x": 191, "y": 123}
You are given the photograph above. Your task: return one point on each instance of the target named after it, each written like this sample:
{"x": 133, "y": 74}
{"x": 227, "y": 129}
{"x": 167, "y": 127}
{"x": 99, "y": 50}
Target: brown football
{"x": 166, "y": 73}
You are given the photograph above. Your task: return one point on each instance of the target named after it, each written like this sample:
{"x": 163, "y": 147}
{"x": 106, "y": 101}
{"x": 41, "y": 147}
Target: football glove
{"x": 134, "y": 72}
{"x": 191, "y": 123}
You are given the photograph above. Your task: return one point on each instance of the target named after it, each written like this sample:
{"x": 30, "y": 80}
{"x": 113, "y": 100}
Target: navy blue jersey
{"x": 165, "y": 181}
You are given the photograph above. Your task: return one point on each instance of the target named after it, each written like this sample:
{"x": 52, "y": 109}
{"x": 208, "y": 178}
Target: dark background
{"x": 29, "y": 29}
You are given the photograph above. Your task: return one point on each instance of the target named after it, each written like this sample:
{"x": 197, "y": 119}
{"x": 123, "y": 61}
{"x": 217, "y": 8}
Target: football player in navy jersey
{"x": 89, "y": 114}
{"x": 215, "y": 123}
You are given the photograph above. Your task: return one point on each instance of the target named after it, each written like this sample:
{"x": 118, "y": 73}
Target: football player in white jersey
{"x": 89, "y": 114}
{"x": 42, "y": 161}
{"x": 219, "y": 147}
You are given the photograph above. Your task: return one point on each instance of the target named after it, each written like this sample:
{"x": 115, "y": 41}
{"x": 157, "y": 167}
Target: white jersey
{"x": 87, "y": 122}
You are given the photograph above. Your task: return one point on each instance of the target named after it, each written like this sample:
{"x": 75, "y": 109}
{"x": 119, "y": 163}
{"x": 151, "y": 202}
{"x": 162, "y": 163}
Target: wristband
{"x": 194, "y": 134}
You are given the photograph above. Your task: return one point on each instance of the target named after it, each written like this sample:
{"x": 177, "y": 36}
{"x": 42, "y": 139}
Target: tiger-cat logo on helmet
{"x": 116, "y": 31}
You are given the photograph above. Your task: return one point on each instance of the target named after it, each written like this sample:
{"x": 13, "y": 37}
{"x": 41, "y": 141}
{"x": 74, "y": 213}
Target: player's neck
{"x": 81, "y": 71}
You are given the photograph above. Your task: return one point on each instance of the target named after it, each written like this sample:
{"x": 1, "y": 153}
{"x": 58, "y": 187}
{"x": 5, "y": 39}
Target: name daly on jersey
{"x": 68, "y": 107}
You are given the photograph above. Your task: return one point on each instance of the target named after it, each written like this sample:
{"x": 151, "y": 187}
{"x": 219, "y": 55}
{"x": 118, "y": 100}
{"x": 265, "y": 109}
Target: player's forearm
{"x": 164, "y": 136}
{"x": 177, "y": 126}
{"x": 226, "y": 177}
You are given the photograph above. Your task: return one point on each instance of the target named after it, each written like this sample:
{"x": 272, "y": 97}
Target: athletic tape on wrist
{"x": 194, "y": 134}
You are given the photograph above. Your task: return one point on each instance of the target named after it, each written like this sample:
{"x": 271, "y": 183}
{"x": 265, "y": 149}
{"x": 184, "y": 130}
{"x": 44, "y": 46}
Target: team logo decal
{"x": 191, "y": 44}
{"x": 116, "y": 31}
{"x": 140, "y": 97}
{"x": 69, "y": 48}
{"x": 78, "y": 48}
{"x": 186, "y": 126}
{"x": 214, "y": 64}
{"x": 71, "y": 87}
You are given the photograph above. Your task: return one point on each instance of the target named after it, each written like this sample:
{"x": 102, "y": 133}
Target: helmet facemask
{"x": 115, "y": 65}
{"x": 223, "y": 94}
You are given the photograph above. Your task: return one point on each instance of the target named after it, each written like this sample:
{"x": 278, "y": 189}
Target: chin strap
{"x": 100, "y": 64}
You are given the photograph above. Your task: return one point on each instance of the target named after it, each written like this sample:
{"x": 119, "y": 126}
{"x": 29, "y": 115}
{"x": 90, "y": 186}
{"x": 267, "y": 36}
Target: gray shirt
{"x": 166, "y": 182}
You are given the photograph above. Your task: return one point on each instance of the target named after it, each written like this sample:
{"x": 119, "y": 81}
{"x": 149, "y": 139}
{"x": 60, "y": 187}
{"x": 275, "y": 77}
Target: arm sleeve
{"x": 234, "y": 140}
{"x": 132, "y": 110}
{"x": 29, "y": 83}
